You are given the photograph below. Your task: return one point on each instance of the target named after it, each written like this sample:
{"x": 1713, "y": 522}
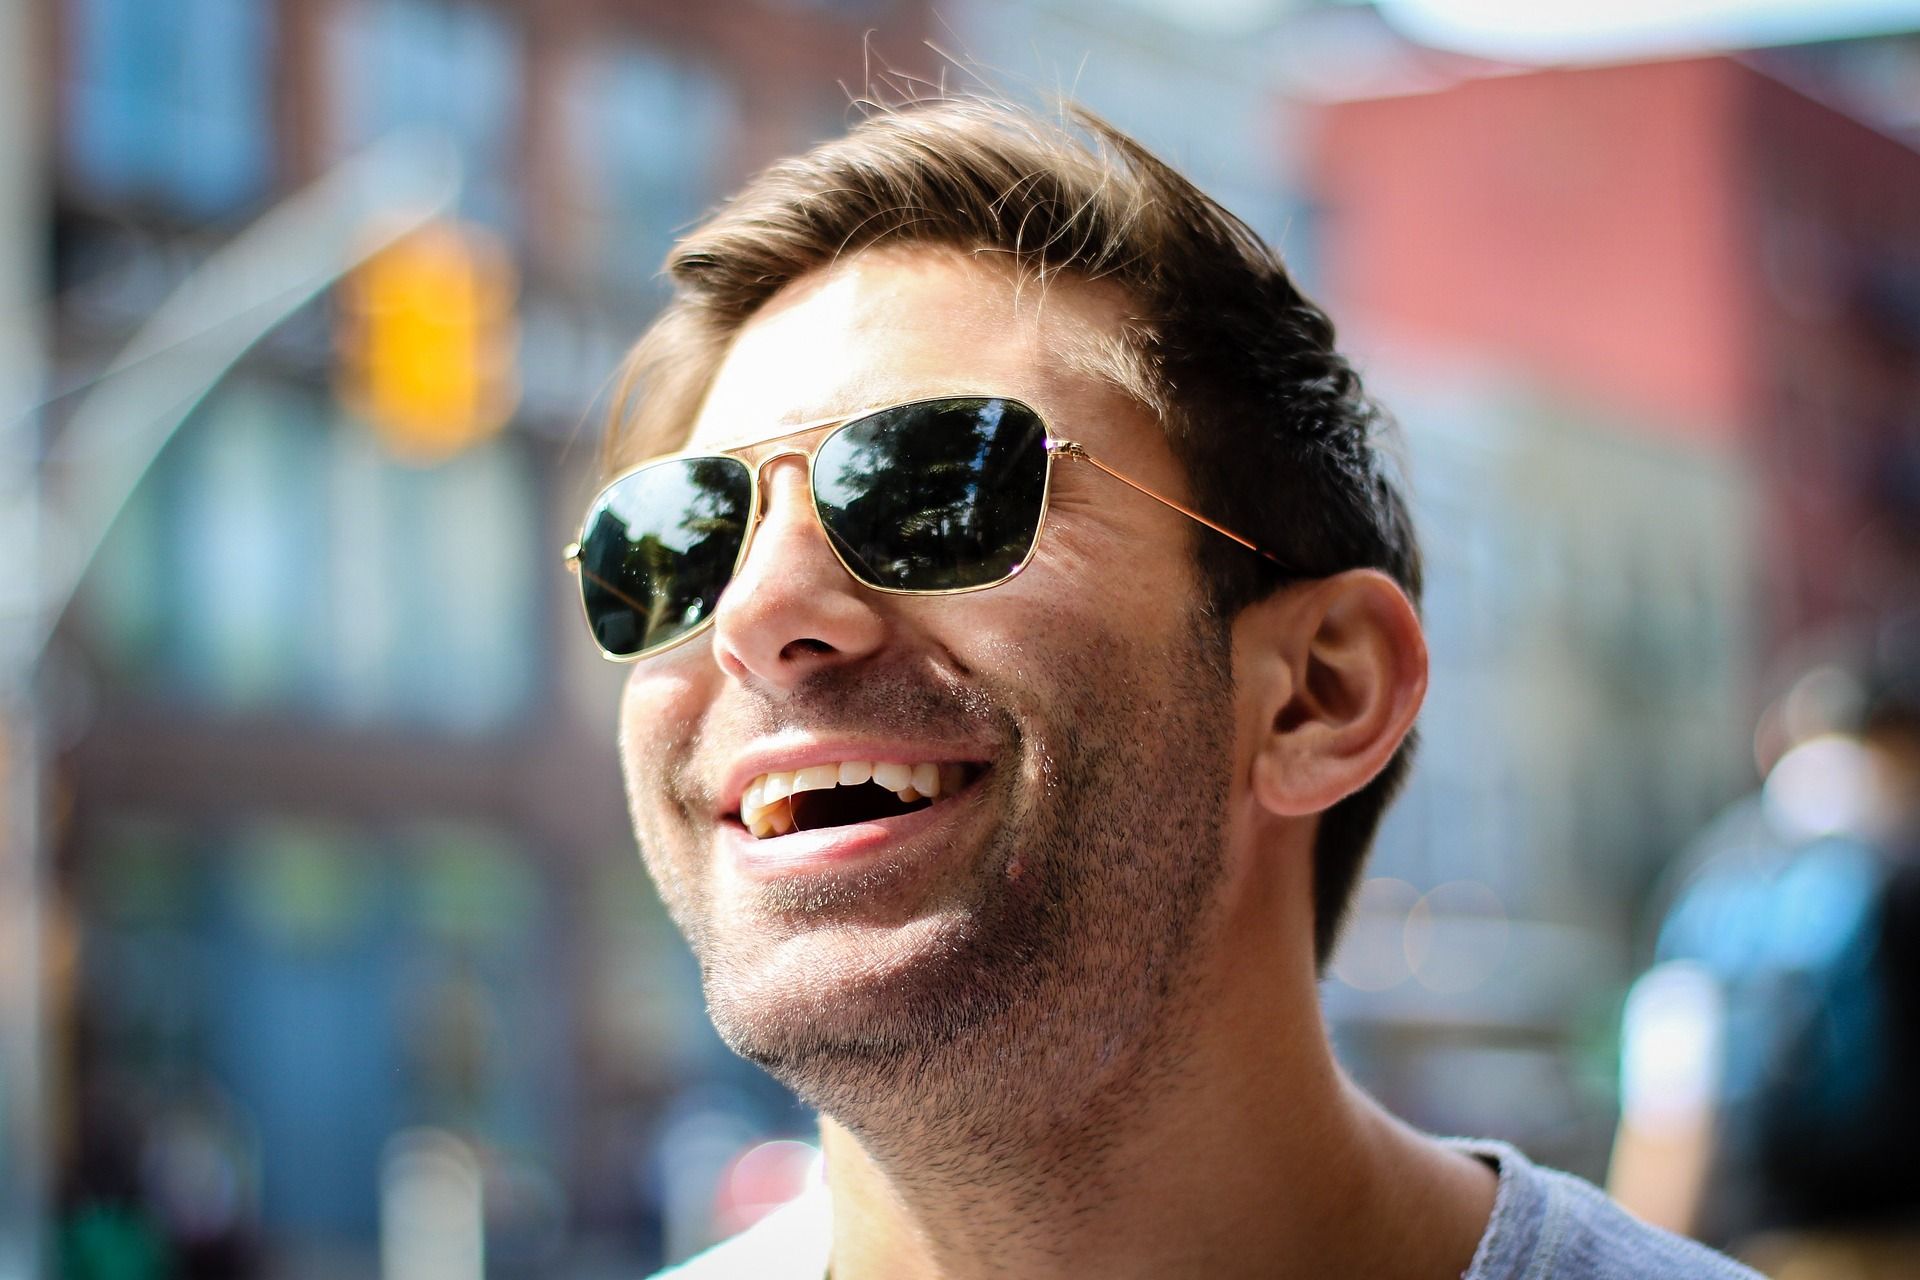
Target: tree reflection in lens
{"x": 660, "y": 548}
{"x": 934, "y": 496}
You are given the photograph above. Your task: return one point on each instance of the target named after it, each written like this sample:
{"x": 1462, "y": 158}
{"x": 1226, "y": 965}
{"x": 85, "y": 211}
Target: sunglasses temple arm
{"x": 1071, "y": 450}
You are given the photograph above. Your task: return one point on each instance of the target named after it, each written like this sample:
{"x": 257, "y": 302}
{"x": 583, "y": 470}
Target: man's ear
{"x": 1339, "y": 667}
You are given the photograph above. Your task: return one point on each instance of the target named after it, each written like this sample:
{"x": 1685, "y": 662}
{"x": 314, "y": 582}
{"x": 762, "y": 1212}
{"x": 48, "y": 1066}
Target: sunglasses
{"x": 935, "y": 497}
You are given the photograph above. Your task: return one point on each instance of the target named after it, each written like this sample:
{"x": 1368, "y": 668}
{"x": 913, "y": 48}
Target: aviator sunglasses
{"x": 933, "y": 497}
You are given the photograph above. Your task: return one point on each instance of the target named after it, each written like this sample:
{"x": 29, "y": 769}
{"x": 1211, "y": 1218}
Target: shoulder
{"x": 791, "y": 1243}
{"x": 1551, "y": 1224}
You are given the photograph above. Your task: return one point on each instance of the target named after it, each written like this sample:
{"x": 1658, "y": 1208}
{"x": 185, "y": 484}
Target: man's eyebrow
{"x": 747, "y": 432}
{"x": 848, "y": 401}
{"x": 1116, "y": 363}
{"x": 805, "y": 414}
{"x": 844, "y": 404}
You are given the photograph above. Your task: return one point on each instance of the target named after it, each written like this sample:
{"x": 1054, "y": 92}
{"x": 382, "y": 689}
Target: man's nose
{"x": 793, "y": 609}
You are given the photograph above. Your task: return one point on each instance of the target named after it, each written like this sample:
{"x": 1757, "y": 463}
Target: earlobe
{"x": 1345, "y": 673}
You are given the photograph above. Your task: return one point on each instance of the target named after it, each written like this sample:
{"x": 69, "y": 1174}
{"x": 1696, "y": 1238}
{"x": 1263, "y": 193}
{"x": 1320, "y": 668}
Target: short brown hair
{"x": 1276, "y": 435}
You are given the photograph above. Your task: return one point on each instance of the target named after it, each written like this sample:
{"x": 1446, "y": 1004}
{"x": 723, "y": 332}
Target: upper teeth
{"x": 763, "y": 812}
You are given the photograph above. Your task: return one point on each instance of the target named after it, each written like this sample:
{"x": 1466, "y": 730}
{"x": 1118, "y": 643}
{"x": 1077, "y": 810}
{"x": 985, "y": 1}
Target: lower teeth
{"x": 819, "y": 810}
{"x": 815, "y": 810}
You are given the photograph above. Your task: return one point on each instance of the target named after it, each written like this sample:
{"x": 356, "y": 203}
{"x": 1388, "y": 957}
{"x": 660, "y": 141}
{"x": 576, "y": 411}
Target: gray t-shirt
{"x": 1546, "y": 1225}
{"x": 1551, "y": 1224}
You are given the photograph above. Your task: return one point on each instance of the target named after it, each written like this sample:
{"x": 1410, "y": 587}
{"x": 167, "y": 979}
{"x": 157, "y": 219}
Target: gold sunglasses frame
{"x": 803, "y": 441}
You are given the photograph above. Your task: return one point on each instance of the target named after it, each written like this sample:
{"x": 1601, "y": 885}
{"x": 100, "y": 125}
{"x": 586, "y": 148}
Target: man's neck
{"x": 1248, "y": 1155}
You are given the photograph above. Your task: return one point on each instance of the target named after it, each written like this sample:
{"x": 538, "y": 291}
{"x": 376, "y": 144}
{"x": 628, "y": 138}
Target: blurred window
{"x": 243, "y": 535}
{"x": 203, "y": 588}
{"x": 435, "y": 584}
{"x": 455, "y": 68}
{"x": 291, "y": 994}
{"x": 168, "y": 101}
{"x": 277, "y": 559}
{"x": 646, "y": 136}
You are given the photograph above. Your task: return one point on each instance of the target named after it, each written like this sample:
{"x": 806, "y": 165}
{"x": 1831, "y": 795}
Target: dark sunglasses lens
{"x": 936, "y": 496}
{"x": 660, "y": 545}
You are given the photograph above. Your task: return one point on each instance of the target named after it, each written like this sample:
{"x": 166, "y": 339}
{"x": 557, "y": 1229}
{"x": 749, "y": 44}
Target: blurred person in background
{"x": 1770, "y": 1053}
{"x": 1019, "y": 856}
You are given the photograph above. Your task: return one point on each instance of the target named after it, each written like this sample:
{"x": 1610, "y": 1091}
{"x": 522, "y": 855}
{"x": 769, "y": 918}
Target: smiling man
{"x": 1023, "y": 654}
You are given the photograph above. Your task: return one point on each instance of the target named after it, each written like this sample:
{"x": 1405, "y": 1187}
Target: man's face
{"x": 1080, "y": 715}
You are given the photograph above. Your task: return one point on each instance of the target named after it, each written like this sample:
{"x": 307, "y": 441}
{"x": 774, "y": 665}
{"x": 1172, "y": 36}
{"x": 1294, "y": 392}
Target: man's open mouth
{"x": 834, "y": 795}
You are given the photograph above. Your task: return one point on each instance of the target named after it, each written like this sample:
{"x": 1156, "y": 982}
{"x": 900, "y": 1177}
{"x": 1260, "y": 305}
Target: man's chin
{"x": 852, "y": 993}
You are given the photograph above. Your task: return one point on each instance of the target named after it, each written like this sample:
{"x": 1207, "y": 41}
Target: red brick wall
{"x": 1582, "y": 226}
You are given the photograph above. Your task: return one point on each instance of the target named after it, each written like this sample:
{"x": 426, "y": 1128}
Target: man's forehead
{"x": 883, "y": 327}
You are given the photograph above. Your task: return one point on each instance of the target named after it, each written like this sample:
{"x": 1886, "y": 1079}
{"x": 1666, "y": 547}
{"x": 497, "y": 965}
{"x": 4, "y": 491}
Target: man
{"x": 1012, "y": 790}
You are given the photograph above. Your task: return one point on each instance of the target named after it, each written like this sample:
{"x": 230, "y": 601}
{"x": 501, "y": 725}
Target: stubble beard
{"x": 1065, "y": 974}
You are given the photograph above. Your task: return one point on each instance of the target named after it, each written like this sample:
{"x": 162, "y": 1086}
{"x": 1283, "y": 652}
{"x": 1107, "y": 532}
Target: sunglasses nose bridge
{"x": 763, "y": 483}
{"x": 763, "y": 477}
{"x": 766, "y": 460}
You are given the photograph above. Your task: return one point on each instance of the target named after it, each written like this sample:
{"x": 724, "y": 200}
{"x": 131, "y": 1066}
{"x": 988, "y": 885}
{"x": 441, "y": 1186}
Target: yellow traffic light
{"x": 427, "y": 341}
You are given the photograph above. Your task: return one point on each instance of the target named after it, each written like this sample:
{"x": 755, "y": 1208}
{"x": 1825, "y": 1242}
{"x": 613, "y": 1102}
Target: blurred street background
{"x": 323, "y": 940}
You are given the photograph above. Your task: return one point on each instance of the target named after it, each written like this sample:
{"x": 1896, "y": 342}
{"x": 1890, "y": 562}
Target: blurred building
{"x": 339, "y": 850}
{"x": 1696, "y": 247}
{"x": 1651, "y": 331}
{"x": 1196, "y": 85}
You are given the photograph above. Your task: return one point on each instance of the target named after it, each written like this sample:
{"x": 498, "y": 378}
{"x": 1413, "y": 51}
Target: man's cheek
{"x": 659, "y": 714}
{"x": 674, "y": 856}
